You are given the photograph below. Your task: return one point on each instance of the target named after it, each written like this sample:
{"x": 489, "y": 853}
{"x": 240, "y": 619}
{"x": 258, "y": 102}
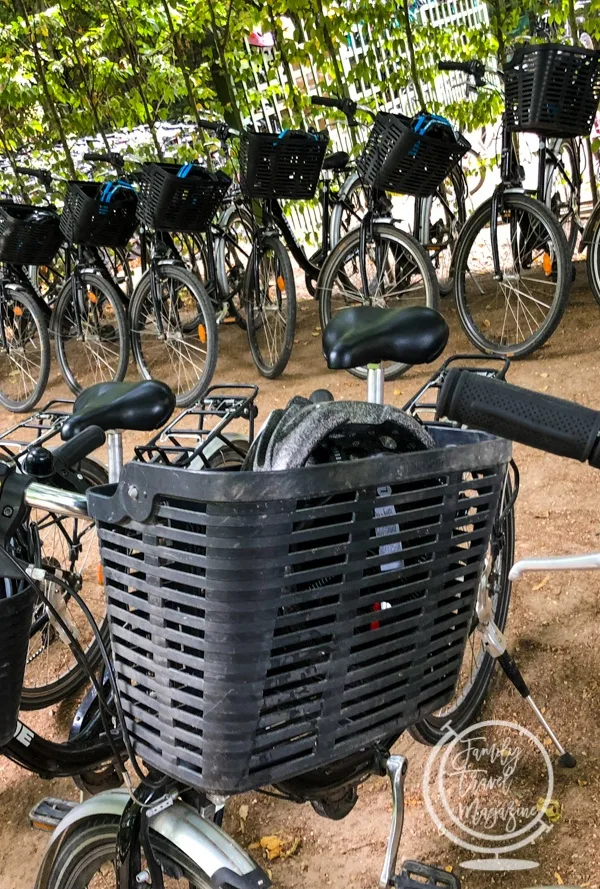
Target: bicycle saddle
{"x": 336, "y": 161}
{"x": 368, "y": 335}
{"x": 140, "y": 406}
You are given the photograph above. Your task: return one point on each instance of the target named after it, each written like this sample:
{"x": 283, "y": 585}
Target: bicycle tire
{"x": 21, "y": 318}
{"x": 36, "y": 698}
{"x": 414, "y": 258}
{"x": 348, "y": 204}
{"x": 117, "y": 263}
{"x": 442, "y": 232}
{"x": 569, "y": 220}
{"x": 148, "y": 358}
{"x": 105, "y": 333}
{"x": 284, "y": 288}
{"x": 593, "y": 264}
{"x": 556, "y": 267}
{"x": 231, "y": 259}
{"x": 432, "y": 729}
{"x": 90, "y": 850}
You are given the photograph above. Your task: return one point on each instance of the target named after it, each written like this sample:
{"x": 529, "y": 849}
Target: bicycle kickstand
{"x": 494, "y": 643}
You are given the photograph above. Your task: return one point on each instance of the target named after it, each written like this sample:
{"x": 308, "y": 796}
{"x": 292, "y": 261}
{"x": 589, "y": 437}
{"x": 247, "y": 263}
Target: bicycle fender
{"x": 202, "y": 841}
{"x": 591, "y": 226}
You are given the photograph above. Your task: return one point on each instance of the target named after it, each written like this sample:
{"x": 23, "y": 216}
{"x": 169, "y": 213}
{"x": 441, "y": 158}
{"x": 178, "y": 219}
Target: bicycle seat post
{"x": 114, "y": 440}
{"x": 374, "y": 384}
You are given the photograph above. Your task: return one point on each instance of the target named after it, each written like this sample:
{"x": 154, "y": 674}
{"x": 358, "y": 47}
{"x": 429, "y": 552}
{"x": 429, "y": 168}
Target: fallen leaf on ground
{"x": 541, "y": 584}
{"x": 277, "y": 847}
{"x": 559, "y": 879}
{"x": 553, "y": 811}
{"x": 243, "y": 813}
{"x": 397, "y": 392}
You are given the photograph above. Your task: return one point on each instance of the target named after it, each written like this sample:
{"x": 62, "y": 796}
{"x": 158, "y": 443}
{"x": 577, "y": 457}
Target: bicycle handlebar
{"x": 45, "y": 176}
{"x": 75, "y": 449}
{"x": 347, "y": 106}
{"x": 475, "y": 69}
{"x": 222, "y": 129}
{"x": 112, "y": 157}
{"x": 532, "y": 418}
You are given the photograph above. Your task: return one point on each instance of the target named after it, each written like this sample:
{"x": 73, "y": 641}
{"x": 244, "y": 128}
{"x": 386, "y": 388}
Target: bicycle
{"x": 49, "y": 279}
{"x": 173, "y": 327}
{"x": 30, "y": 236}
{"x": 92, "y": 836}
{"x": 511, "y": 264}
{"x": 274, "y": 167}
{"x": 434, "y": 220}
{"x": 377, "y": 264}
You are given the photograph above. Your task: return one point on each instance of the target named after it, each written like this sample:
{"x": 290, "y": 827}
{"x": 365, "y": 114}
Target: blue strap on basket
{"x": 109, "y": 191}
{"x": 285, "y": 132}
{"x": 422, "y": 123}
{"x": 184, "y": 170}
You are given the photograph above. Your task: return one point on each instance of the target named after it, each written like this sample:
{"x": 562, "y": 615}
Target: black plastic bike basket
{"x": 399, "y": 160}
{"x": 264, "y": 624}
{"x": 88, "y": 220}
{"x": 15, "y": 624}
{"x": 28, "y": 235}
{"x": 552, "y": 90}
{"x": 168, "y": 202}
{"x": 281, "y": 165}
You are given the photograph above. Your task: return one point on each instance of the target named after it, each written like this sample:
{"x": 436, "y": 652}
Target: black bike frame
{"x": 47, "y": 759}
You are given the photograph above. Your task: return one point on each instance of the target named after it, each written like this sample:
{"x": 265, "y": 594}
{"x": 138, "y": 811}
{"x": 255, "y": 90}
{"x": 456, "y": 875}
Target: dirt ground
{"x": 552, "y": 628}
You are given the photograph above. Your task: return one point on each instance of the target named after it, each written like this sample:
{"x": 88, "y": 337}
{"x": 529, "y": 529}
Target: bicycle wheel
{"x": 232, "y": 254}
{"x": 174, "y": 332}
{"x": 348, "y": 210}
{"x": 52, "y": 672}
{"x": 477, "y": 666}
{"x": 474, "y": 170}
{"x": 87, "y": 859}
{"x": 48, "y": 280}
{"x": 116, "y": 261}
{"x": 447, "y": 214}
{"x": 593, "y": 264}
{"x": 515, "y": 315}
{"x": 563, "y": 189}
{"x": 24, "y": 350}
{"x": 270, "y": 299}
{"x": 191, "y": 250}
{"x": 92, "y": 343}
{"x": 399, "y": 274}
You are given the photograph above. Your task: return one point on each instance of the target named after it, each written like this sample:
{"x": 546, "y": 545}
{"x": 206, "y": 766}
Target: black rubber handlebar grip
{"x": 532, "y": 418}
{"x": 112, "y": 158}
{"x": 33, "y": 171}
{"x": 455, "y": 66}
{"x": 73, "y": 451}
{"x": 210, "y": 124}
{"x": 326, "y": 101}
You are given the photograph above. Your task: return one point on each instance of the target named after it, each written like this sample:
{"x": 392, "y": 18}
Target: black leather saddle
{"x": 337, "y": 161}
{"x": 140, "y": 406}
{"x": 367, "y": 335}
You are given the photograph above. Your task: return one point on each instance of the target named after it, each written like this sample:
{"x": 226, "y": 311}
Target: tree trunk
{"x": 179, "y": 55}
{"x": 222, "y": 80}
{"x": 411, "y": 57}
{"x": 88, "y": 90}
{"x": 13, "y": 163}
{"x": 51, "y": 108}
{"x": 130, "y": 50}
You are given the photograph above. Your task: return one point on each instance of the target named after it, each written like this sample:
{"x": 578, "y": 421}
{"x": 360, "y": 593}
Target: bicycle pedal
{"x": 49, "y": 812}
{"x": 416, "y": 875}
